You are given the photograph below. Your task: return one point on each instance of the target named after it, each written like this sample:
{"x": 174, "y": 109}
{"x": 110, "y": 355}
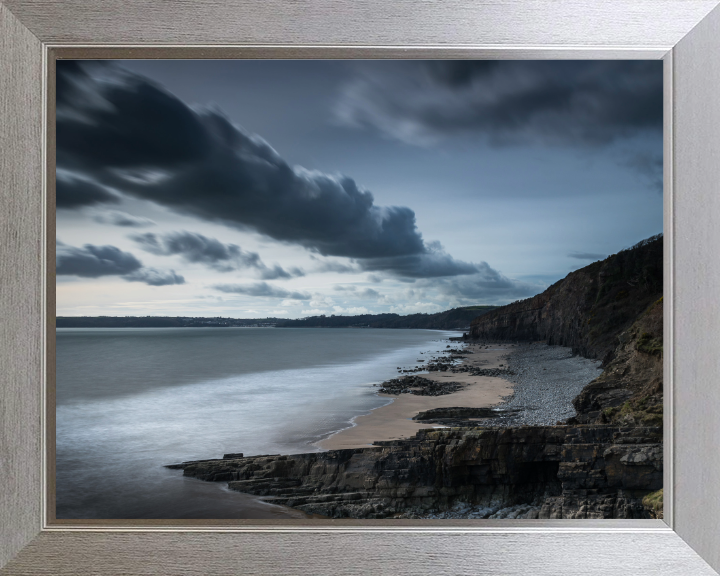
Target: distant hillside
{"x": 589, "y": 308}
{"x": 157, "y": 322}
{"x": 448, "y": 320}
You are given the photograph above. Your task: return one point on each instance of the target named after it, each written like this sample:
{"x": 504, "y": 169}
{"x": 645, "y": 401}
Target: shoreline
{"x": 393, "y": 421}
{"x": 358, "y": 474}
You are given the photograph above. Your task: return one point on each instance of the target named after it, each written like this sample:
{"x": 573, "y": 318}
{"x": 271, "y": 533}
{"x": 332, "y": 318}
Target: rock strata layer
{"x": 583, "y": 471}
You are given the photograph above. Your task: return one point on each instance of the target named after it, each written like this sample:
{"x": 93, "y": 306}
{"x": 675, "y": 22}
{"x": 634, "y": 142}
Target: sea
{"x": 131, "y": 400}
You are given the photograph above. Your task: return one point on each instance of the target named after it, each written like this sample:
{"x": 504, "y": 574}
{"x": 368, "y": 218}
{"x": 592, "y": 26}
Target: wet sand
{"x": 228, "y": 504}
{"x": 394, "y": 421}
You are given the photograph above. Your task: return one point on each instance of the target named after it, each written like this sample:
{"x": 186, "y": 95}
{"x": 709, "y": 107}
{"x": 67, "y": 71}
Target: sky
{"x": 279, "y": 188}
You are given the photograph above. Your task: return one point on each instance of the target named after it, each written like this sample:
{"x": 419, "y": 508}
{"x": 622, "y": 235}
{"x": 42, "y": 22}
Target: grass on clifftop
{"x": 636, "y": 411}
{"x": 654, "y": 503}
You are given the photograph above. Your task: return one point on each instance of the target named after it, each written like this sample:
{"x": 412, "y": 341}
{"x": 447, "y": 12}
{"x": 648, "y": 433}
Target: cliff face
{"x": 629, "y": 391}
{"x": 599, "y": 471}
{"x": 588, "y": 309}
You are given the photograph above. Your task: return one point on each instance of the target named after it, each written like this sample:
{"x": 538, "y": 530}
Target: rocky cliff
{"x": 588, "y": 309}
{"x": 599, "y": 471}
{"x": 630, "y": 389}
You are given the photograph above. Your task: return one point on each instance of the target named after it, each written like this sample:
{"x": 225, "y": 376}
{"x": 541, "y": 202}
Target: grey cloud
{"x": 330, "y": 266}
{"x": 509, "y": 102}
{"x": 261, "y": 289}
{"x": 369, "y": 294}
{"x": 196, "y": 248}
{"x": 432, "y": 263}
{"x": 487, "y": 286}
{"x": 155, "y": 277}
{"x": 203, "y": 165}
{"x": 119, "y": 218}
{"x": 73, "y": 192}
{"x": 279, "y": 272}
{"x": 96, "y": 261}
{"x": 587, "y": 256}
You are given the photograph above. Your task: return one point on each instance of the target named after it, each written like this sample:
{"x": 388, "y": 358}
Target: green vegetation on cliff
{"x": 653, "y": 502}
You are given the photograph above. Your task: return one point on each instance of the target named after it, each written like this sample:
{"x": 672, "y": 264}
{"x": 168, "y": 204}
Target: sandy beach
{"x": 394, "y": 421}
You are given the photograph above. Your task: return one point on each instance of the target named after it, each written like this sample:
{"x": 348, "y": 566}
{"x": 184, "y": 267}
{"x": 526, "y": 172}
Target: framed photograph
{"x": 414, "y": 86}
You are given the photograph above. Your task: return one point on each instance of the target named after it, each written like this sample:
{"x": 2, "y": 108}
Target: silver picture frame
{"x": 685, "y": 34}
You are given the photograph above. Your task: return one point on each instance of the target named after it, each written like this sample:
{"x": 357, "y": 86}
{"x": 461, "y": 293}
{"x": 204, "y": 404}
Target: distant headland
{"x": 456, "y": 318}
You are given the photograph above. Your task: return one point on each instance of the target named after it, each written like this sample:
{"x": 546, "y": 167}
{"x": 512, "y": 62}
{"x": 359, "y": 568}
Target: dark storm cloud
{"x": 115, "y": 120}
{"x": 119, "y": 218}
{"x": 125, "y": 132}
{"x": 587, "y": 256}
{"x": 77, "y": 192}
{"x": 96, "y": 261}
{"x": 196, "y": 248}
{"x": 510, "y": 102}
{"x": 261, "y": 289}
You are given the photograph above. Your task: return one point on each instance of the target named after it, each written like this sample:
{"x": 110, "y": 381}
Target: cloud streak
{"x": 261, "y": 290}
{"x": 155, "y": 277}
{"x": 95, "y": 261}
{"x": 119, "y": 218}
{"x": 196, "y": 248}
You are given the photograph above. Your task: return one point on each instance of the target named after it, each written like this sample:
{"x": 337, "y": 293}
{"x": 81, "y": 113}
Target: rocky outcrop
{"x": 419, "y": 386}
{"x": 629, "y": 391}
{"x": 599, "y": 471}
{"x": 460, "y": 417}
{"x": 588, "y": 309}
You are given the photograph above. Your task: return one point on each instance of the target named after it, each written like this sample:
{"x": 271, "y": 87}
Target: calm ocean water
{"x": 130, "y": 400}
